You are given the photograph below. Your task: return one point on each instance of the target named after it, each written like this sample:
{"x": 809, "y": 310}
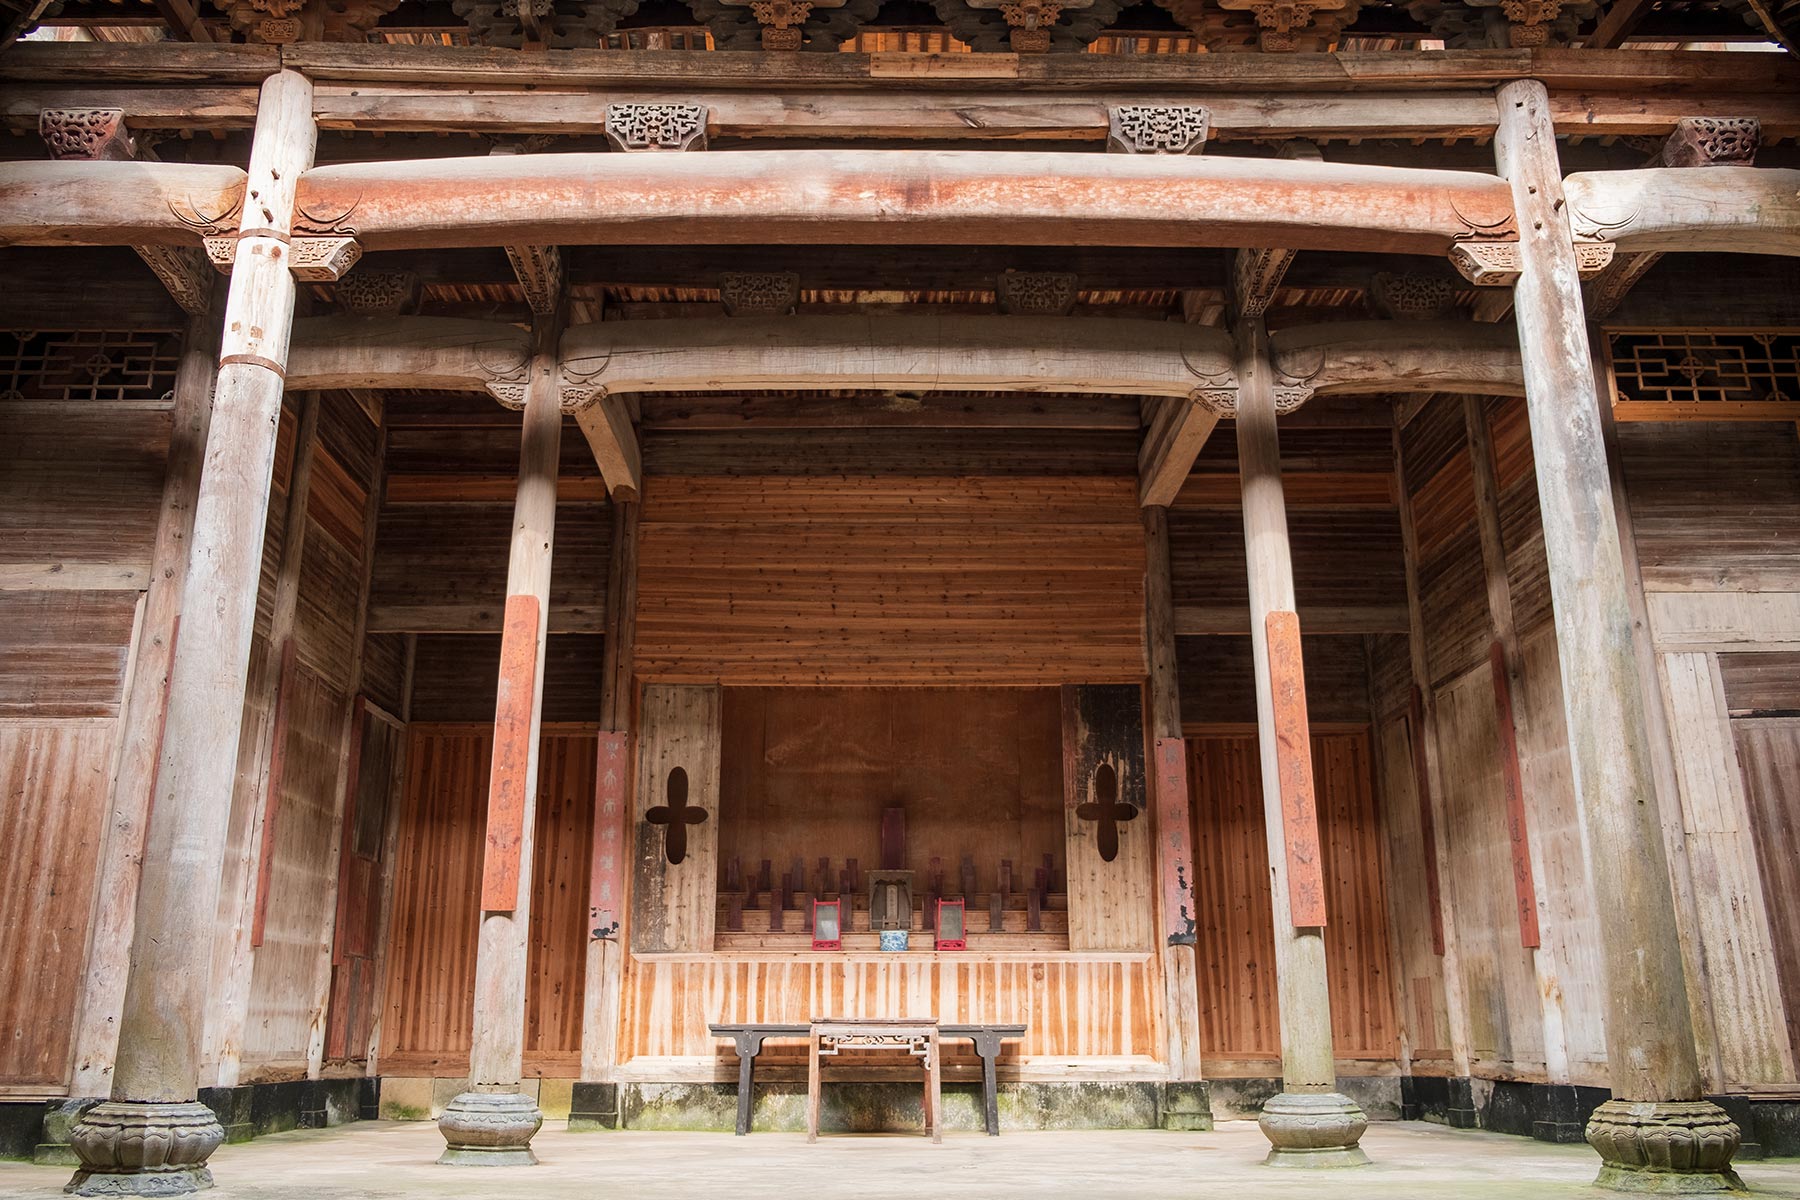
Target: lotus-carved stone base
{"x": 1313, "y": 1129}
{"x": 128, "y": 1148}
{"x": 1670, "y": 1148}
{"x": 489, "y": 1129}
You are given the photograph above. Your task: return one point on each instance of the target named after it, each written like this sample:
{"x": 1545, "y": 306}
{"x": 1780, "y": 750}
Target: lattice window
{"x": 1693, "y": 374}
{"x": 89, "y": 365}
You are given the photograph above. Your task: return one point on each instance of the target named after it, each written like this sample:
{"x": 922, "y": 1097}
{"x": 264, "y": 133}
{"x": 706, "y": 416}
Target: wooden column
{"x": 1309, "y": 1110}
{"x": 1511, "y": 709}
{"x": 121, "y": 1144}
{"x": 1174, "y": 857}
{"x": 612, "y": 808}
{"x": 109, "y": 959}
{"x": 1657, "y": 1106}
{"x": 493, "y": 1123}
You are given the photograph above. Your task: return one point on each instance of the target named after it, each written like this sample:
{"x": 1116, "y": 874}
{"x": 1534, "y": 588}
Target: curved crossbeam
{"x": 432, "y": 353}
{"x": 1741, "y": 210}
{"x": 1364, "y": 357}
{"x": 115, "y": 203}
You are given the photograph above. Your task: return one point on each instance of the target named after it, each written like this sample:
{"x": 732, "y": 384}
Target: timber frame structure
{"x": 1354, "y": 489}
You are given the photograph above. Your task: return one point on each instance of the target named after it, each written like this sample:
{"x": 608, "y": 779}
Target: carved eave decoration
{"x": 1037, "y": 293}
{"x": 1412, "y": 297}
{"x": 1496, "y": 264}
{"x": 1027, "y": 26}
{"x": 651, "y": 127}
{"x": 759, "y": 293}
{"x": 377, "y": 293}
{"x": 559, "y": 24}
{"x": 1157, "y": 129}
{"x": 1471, "y": 24}
{"x": 1271, "y": 25}
{"x": 279, "y": 22}
{"x": 782, "y": 24}
{"x": 1712, "y": 142}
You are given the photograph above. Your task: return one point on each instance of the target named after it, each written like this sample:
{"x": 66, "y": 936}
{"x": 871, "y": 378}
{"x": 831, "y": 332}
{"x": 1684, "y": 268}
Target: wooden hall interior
{"x": 1277, "y": 524}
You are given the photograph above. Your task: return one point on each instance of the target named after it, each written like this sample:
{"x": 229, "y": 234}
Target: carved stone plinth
{"x": 489, "y": 1129}
{"x": 128, "y": 1148}
{"x": 1313, "y": 1129}
{"x": 1671, "y": 1148}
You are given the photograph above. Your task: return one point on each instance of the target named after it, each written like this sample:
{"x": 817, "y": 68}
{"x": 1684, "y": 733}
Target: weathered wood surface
{"x": 1768, "y": 751}
{"x": 422, "y": 353}
{"x": 1174, "y": 436}
{"x": 1112, "y": 905}
{"x": 673, "y": 905}
{"x": 115, "y": 203}
{"x": 1650, "y": 1037}
{"x": 161, "y": 1026}
{"x": 1362, "y": 358}
{"x": 1741, "y": 210}
{"x": 889, "y": 196}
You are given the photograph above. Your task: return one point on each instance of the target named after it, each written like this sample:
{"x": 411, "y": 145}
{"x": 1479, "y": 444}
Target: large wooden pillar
{"x": 1656, "y": 1133}
{"x": 492, "y": 1123}
{"x": 153, "y": 1137}
{"x": 1310, "y": 1123}
{"x": 1185, "y": 1107}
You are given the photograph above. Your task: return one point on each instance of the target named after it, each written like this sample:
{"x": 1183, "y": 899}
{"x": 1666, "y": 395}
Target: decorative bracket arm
{"x": 311, "y": 259}
{"x": 1496, "y": 264}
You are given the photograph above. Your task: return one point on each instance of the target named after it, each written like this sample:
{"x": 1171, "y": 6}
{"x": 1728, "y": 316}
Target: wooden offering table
{"x": 986, "y": 1039}
{"x": 918, "y": 1038}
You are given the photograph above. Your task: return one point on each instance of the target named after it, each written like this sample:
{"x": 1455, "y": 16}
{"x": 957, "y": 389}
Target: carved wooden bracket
{"x": 540, "y": 273}
{"x": 182, "y": 270}
{"x": 1037, "y": 293}
{"x": 1496, "y": 264}
{"x": 1529, "y": 21}
{"x": 1280, "y": 22}
{"x": 1606, "y": 290}
{"x": 782, "y": 22}
{"x": 1713, "y": 142}
{"x": 1408, "y": 297}
{"x": 759, "y": 293}
{"x": 86, "y": 134}
{"x": 311, "y": 259}
{"x": 1151, "y": 129}
{"x": 1255, "y": 276}
{"x": 377, "y": 293}
{"x": 1290, "y": 394}
{"x": 656, "y": 126}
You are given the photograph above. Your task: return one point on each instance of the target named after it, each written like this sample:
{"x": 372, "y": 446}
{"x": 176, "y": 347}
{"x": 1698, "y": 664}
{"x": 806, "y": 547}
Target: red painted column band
{"x": 1293, "y": 766}
{"x": 508, "y": 780}
{"x": 1176, "y": 859}
{"x": 606, "y": 878}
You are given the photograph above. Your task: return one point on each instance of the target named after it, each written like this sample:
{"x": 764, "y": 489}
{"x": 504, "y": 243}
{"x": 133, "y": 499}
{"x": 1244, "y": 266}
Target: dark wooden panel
{"x": 1761, "y": 685}
{"x": 1218, "y": 685}
{"x": 454, "y": 677}
{"x": 1343, "y": 558}
{"x": 893, "y": 451}
{"x": 81, "y": 484}
{"x": 1715, "y": 506}
{"x": 384, "y": 671}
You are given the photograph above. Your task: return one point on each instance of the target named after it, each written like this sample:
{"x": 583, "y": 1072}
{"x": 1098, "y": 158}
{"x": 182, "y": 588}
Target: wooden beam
{"x": 183, "y": 20}
{"x": 606, "y": 424}
{"x": 896, "y": 197}
{"x": 1739, "y": 210}
{"x": 429, "y": 353}
{"x": 1177, "y": 431}
{"x": 1364, "y": 358}
{"x": 116, "y": 203}
{"x": 1200, "y": 621}
{"x": 1622, "y": 16}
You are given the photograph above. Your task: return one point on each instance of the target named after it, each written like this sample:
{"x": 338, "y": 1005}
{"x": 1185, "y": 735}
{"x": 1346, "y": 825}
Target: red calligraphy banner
{"x": 1293, "y": 767}
{"x": 509, "y": 779}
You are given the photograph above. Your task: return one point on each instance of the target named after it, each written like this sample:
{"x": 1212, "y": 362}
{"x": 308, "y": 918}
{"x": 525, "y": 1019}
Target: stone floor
{"x": 386, "y": 1159}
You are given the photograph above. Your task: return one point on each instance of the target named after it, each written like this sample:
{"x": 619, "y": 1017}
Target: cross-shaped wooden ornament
{"x": 677, "y": 816}
{"x": 1106, "y": 810}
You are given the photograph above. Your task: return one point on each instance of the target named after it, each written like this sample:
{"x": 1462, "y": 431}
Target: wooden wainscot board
{"x": 1110, "y": 902}
{"x": 672, "y": 903}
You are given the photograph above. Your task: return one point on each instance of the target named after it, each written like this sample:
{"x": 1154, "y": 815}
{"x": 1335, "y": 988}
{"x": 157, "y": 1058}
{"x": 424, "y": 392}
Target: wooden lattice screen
{"x": 1705, "y": 374}
{"x": 89, "y": 365}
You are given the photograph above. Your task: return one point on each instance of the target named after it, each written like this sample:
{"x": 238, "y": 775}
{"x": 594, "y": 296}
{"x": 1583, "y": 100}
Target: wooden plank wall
{"x": 1112, "y": 905}
{"x": 429, "y": 995}
{"x": 1085, "y": 1007}
{"x": 1769, "y": 751}
{"x": 909, "y": 557}
{"x": 80, "y": 485}
{"x": 808, "y": 771}
{"x": 1715, "y": 509}
{"x": 1239, "y": 1028}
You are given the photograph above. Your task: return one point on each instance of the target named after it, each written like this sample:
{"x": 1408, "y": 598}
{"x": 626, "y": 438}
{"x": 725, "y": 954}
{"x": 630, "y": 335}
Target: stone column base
{"x": 1669, "y": 1148}
{"x": 489, "y": 1129}
{"x": 128, "y": 1148}
{"x": 1313, "y": 1129}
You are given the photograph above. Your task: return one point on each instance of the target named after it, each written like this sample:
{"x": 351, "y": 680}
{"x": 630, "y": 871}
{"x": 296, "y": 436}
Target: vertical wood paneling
{"x": 1235, "y": 950}
{"x": 1769, "y": 752}
{"x": 673, "y": 904}
{"x": 1423, "y": 1013}
{"x": 429, "y": 995}
{"x": 1112, "y": 905}
{"x": 53, "y": 781}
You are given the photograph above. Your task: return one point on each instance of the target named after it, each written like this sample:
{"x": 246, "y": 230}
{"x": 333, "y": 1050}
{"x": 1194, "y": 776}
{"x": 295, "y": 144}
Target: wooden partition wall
{"x": 1239, "y": 1030}
{"x": 429, "y": 996}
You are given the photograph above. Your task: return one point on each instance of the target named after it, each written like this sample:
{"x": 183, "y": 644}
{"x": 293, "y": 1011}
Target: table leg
{"x": 934, "y": 1092}
{"x": 812, "y": 1087}
{"x": 746, "y": 1073}
{"x": 990, "y": 1091}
